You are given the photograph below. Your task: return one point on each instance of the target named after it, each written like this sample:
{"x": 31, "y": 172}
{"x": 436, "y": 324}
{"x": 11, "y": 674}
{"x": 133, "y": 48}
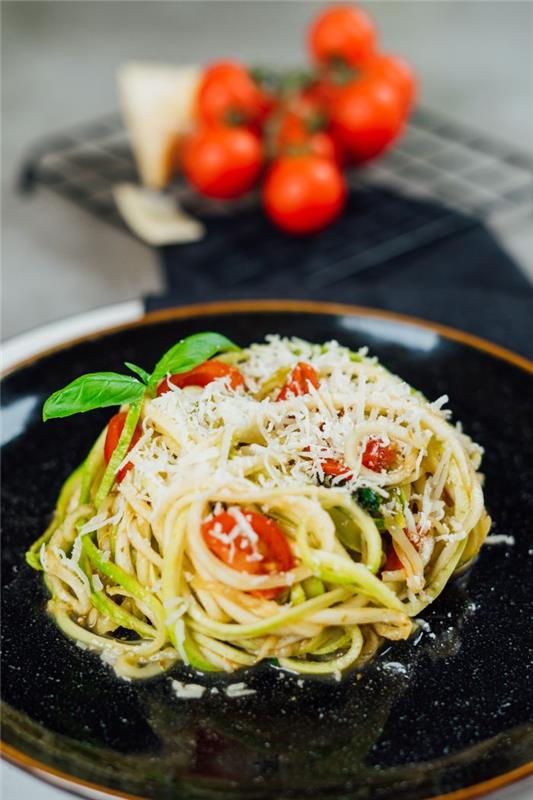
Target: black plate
{"x": 447, "y": 710}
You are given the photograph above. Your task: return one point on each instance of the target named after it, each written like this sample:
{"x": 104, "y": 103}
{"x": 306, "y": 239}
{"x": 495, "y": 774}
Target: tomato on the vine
{"x": 222, "y": 162}
{"x": 295, "y": 136}
{"x": 228, "y": 95}
{"x": 342, "y": 34}
{"x": 396, "y": 72}
{"x": 304, "y": 193}
{"x": 367, "y": 116}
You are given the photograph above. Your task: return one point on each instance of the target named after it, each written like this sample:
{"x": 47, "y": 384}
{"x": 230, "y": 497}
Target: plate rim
{"x": 292, "y": 306}
{"x": 56, "y": 777}
{"x": 67, "y": 782}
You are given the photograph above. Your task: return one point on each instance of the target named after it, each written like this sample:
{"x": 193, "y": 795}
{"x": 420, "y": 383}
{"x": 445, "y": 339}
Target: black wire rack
{"x": 459, "y": 176}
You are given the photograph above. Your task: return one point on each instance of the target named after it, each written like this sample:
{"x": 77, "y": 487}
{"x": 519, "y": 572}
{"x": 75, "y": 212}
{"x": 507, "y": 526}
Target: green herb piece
{"x": 188, "y": 353}
{"x": 143, "y": 375}
{"x": 369, "y": 500}
{"x": 94, "y": 390}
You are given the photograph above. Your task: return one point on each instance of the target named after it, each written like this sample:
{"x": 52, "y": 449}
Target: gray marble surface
{"x": 59, "y": 61}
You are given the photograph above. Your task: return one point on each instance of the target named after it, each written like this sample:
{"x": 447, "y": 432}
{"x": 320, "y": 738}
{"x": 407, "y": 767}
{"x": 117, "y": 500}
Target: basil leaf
{"x": 190, "y": 352}
{"x": 95, "y": 390}
{"x": 143, "y": 375}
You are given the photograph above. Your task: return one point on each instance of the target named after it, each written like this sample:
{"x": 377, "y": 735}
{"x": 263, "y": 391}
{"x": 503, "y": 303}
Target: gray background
{"x": 59, "y": 59}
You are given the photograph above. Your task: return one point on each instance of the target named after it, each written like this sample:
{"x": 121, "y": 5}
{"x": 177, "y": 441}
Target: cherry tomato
{"x": 272, "y": 546}
{"x": 335, "y": 468}
{"x": 392, "y": 562}
{"x": 397, "y": 72}
{"x": 342, "y": 33}
{"x": 202, "y": 375}
{"x": 293, "y": 135}
{"x": 299, "y": 380}
{"x": 366, "y": 117}
{"x": 322, "y": 93}
{"x": 377, "y": 455}
{"x": 229, "y": 96}
{"x": 304, "y": 193}
{"x": 114, "y": 430}
{"x": 223, "y": 162}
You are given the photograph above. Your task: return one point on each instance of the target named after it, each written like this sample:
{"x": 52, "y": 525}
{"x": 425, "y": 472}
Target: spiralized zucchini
{"x": 376, "y": 494}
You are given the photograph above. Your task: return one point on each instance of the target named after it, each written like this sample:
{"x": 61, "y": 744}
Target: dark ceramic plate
{"x": 448, "y": 711}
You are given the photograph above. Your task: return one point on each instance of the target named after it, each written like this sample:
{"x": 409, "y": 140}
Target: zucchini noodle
{"x": 298, "y": 519}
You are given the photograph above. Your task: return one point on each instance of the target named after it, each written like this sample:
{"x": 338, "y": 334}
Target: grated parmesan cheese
{"x": 188, "y": 691}
{"x": 238, "y": 690}
{"x": 500, "y": 538}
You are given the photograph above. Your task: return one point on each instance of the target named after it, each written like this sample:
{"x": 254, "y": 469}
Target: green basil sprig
{"x": 143, "y": 375}
{"x": 189, "y": 353}
{"x": 104, "y": 389}
{"x": 95, "y": 390}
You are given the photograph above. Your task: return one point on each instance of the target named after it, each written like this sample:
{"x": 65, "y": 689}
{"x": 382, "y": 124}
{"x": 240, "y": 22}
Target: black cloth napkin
{"x": 462, "y": 277}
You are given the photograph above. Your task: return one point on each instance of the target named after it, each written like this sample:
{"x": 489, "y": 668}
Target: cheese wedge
{"x": 154, "y": 217}
{"x": 157, "y": 103}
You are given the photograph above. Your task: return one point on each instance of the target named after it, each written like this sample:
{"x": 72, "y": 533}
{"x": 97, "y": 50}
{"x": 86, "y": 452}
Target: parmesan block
{"x": 157, "y": 103}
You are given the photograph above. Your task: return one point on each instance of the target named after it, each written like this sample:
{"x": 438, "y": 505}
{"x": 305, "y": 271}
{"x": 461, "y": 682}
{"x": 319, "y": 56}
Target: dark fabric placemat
{"x": 465, "y": 279}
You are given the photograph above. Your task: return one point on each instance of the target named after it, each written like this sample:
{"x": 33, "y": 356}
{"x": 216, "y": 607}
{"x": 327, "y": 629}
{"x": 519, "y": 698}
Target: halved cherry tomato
{"x": 272, "y": 546}
{"x": 114, "y": 430}
{"x": 222, "y": 163}
{"x": 228, "y": 95}
{"x": 392, "y": 562}
{"x": 377, "y": 455}
{"x": 202, "y": 375}
{"x": 298, "y": 383}
{"x": 335, "y": 468}
{"x": 342, "y": 33}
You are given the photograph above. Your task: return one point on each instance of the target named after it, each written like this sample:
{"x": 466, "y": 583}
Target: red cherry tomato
{"x": 229, "y": 96}
{"x": 366, "y": 117}
{"x": 398, "y": 73}
{"x": 114, "y": 430}
{"x": 335, "y": 468}
{"x": 322, "y": 93}
{"x": 202, "y": 375}
{"x": 272, "y": 545}
{"x": 392, "y": 562}
{"x": 304, "y": 193}
{"x": 378, "y": 456}
{"x": 299, "y": 380}
{"x": 342, "y": 33}
{"x": 223, "y": 162}
{"x": 293, "y": 135}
